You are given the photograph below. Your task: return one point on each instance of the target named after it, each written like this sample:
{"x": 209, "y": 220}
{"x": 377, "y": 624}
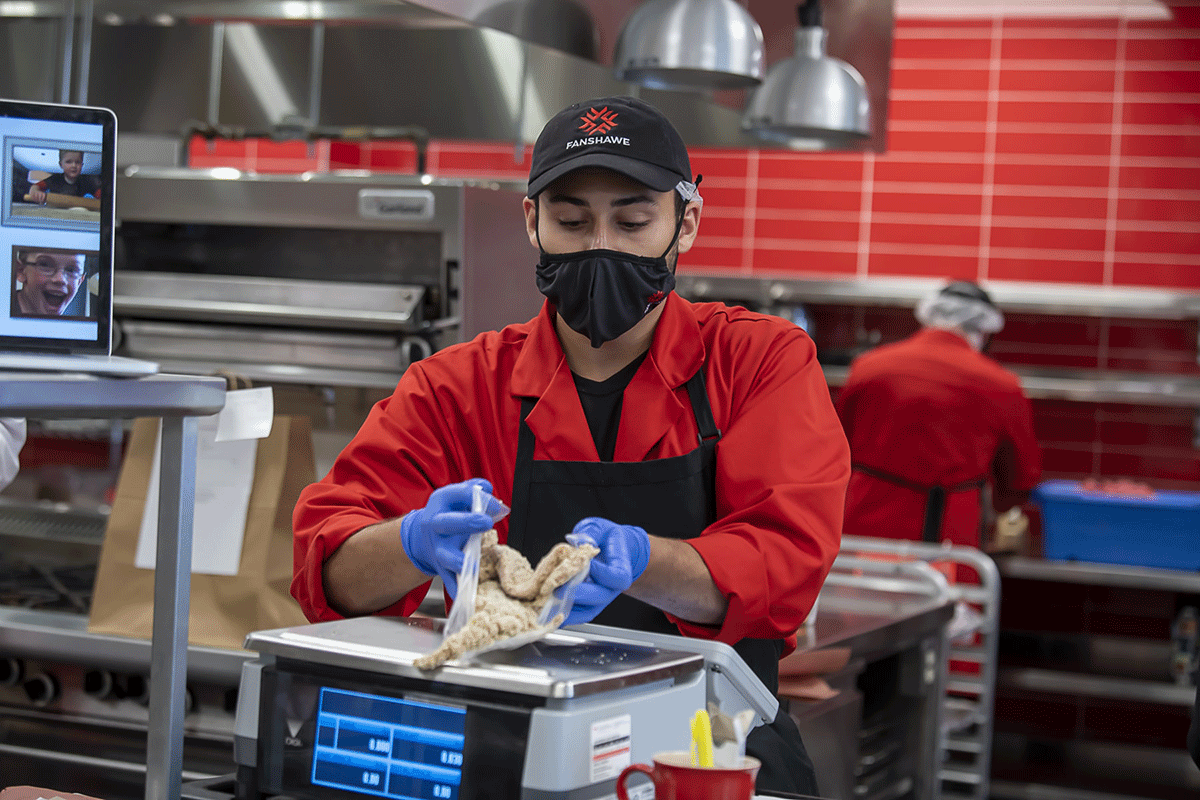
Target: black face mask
{"x": 603, "y": 293}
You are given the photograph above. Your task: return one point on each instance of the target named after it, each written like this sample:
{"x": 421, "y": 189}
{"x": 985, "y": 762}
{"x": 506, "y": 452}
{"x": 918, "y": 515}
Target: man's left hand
{"x": 624, "y": 554}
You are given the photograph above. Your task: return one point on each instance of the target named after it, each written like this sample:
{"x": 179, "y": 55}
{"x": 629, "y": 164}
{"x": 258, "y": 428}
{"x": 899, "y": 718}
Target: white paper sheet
{"x": 248, "y": 414}
{"x": 224, "y": 478}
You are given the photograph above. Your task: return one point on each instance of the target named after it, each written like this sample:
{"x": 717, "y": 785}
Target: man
{"x": 71, "y": 182}
{"x": 931, "y": 420}
{"x": 695, "y": 444}
{"x": 49, "y": 281}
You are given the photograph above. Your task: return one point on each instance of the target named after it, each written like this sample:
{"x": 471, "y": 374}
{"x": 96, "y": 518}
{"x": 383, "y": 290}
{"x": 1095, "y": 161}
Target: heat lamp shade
{"x": 690, "y": 44}
{"x": 810, "y": 96}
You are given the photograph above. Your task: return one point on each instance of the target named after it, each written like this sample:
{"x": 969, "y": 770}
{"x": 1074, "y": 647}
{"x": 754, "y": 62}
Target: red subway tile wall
{"x": 1065, "y": 151}
{"x": 1044, "y": 150}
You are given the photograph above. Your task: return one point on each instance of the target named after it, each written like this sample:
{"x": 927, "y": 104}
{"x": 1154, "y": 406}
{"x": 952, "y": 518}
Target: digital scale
{"x": 337, "y": 710}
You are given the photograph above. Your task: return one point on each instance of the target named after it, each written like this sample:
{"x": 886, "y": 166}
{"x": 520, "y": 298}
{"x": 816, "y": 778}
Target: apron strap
{"x": 522, "y": 478}
{"x": 935, "y": 497}
{"x": 698, "y": 394}
{"x": 935, "y": 510}
{"x": 708, "y": 434}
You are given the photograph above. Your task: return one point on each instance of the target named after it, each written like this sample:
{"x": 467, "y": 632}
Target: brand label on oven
{"x": 406, "y": 205}
{"x": 610, "y": 747}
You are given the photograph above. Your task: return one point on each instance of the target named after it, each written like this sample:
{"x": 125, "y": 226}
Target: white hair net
{"x": 944, "y": 309}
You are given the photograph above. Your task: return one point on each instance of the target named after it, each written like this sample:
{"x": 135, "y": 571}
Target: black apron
{"x": 935, "y": 497}
{"x": 670, "y": 497}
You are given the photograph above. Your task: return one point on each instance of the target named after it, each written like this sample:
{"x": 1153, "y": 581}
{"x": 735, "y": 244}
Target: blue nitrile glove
{"x": 624, "y": 554}
{"x": 434, "y": 536}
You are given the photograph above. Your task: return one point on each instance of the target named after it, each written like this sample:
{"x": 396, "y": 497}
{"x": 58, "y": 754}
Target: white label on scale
{"x": 610, "y": 747}
{"x": 642, "y": 792}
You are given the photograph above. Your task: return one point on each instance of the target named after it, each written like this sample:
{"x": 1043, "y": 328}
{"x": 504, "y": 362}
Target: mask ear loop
{"x": 537, "y": 223}
{"x": 682, "y": 213}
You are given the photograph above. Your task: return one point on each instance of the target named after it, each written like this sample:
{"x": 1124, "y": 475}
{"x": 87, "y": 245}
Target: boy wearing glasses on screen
{"x": 49, "y": 281}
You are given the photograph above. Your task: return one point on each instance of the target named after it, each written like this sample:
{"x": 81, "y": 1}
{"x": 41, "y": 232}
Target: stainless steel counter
{"x": 63, "y": 636}
{"x": 872, "y": 622}
{"x": 178, "y": 400}
{"x": 54, "y": 395}
{"x": 881, "y": 646}
{"x": 1098, "y": 574}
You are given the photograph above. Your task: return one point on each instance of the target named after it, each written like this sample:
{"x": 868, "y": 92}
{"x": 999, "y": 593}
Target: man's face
{"x": 49, "y": 281}
{"x": 598, "y": 209}
{"x": 72, "y": 164}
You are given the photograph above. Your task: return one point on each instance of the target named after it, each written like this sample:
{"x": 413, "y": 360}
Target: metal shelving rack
{"x": 1165, "y": 767}
{"x": 177, "y": 400}
{"x": 971, "y": 660}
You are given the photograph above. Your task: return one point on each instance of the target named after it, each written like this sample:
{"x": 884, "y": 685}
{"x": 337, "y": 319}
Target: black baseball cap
{"x": 623, "y": 134}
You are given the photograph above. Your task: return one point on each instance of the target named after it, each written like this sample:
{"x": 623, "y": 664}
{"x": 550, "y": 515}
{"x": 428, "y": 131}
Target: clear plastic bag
{"x": 563, "y": 598}
{"x": 468, "y": 576}
{"x": 559, "y": 603}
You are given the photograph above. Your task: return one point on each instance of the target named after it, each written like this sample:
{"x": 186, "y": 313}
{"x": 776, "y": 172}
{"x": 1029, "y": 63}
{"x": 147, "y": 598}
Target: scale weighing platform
{"x": 336, "y": 710}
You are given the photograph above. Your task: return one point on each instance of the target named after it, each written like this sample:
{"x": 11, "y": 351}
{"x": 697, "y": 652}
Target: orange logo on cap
{"x": 601, "y": 121}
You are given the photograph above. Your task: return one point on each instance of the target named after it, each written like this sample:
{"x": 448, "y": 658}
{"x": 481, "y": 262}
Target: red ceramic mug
{"x": 675, "y": 778}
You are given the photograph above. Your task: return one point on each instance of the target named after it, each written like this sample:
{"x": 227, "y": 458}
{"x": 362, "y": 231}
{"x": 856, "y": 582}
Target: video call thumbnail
{"x": 52, "y": 282}
{"x": 59, "y": 184}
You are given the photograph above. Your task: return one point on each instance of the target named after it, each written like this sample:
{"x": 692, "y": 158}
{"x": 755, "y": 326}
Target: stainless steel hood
{"x": 433, "y": 65}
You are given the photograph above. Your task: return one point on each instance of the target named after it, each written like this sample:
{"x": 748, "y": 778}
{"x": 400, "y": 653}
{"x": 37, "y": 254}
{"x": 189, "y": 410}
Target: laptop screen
{"x": 56, "y": 227}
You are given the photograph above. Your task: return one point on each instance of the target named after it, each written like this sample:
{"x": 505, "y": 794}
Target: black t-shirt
{"x": 83, "y": 185}
{"x": 601, "y": 402}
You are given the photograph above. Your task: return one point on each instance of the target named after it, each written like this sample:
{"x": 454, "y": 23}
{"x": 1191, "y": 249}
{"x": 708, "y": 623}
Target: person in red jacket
{"x": 931, "y": 420}
{"x": 695, "y": 444}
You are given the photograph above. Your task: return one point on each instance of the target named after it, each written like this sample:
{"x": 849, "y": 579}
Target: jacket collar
{"x": 557, "y": 420}
{"x": 676, "y": 352}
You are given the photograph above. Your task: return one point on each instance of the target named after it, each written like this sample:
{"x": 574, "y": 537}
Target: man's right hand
{"x": 434, "y": 536}
{"x": 37, "y": 195}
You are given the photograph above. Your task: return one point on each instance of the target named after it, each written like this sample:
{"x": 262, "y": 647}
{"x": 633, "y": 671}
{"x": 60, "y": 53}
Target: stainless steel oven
{"x": 330, "y": 279}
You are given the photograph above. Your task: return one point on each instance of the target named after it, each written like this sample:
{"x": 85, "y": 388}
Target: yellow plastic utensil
{"x": 702, "y": 743}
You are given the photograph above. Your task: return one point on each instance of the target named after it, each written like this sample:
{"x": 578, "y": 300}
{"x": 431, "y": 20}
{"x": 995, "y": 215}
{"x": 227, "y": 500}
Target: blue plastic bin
{"x": 1078, "y": 525}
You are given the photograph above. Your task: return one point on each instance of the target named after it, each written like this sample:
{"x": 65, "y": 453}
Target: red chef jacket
{"x": 931, "y": 410}
{"x": 782, "y": 460}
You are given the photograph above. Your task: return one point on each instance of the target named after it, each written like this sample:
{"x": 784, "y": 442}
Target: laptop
{"x": 56, "y": 235}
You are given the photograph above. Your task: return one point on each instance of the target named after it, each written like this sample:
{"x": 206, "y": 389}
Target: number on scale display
{"x": 388, "y": 747}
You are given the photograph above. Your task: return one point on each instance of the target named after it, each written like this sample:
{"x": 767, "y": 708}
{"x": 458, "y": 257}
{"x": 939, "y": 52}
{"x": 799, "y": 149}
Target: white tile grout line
{"x": 1039, "y": 64}
{"x": 323, "y": 155}
{"x": 864, "y": 214}
{"x": 989, "y": 151}
{"x": 1114, "y": 162}
{"x": 1044, "y": 96}
{"x": 1166, "y": 31}
{"x": 751, "y": 211}
{"x": 432, "y": 158}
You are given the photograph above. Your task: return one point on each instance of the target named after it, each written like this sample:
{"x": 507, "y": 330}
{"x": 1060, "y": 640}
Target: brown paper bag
{"x": 224, "y": 608}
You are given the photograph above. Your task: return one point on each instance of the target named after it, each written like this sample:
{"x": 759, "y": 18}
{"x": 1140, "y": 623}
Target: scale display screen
{"x": 387, "y": 746}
